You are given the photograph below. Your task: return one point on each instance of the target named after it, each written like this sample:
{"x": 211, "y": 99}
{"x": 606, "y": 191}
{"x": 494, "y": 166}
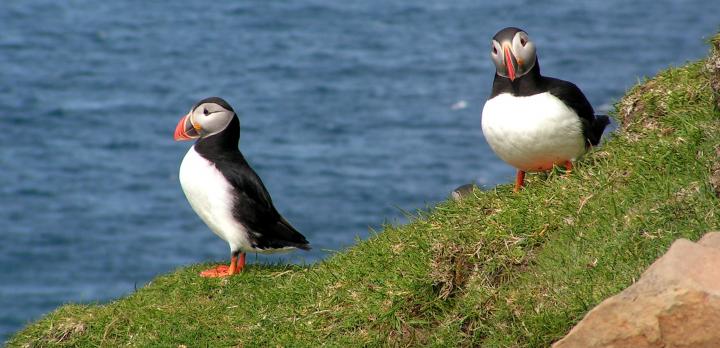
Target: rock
{"x": 676, "y": 303}
{"x": 463, "y": 191}
{"x": 711, "y": 240}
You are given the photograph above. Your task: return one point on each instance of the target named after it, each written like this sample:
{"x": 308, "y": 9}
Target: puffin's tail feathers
{"x": 296, "y": 238}
{"x": 597, "y": 128}
{"x": 284, "y": 236}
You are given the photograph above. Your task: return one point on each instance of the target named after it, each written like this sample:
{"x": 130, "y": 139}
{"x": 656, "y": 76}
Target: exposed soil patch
{"x": 713, "y": 67}
{"x": 451, "y": 267}
{"x": 715, "y": 173}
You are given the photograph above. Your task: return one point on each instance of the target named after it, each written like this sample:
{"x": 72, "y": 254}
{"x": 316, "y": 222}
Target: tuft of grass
{"x": 495, "y": 269}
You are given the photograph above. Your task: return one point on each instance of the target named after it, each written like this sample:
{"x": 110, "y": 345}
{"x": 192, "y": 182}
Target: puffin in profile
{"x": 534, "y": 122}
{"x": 225, "y": 192}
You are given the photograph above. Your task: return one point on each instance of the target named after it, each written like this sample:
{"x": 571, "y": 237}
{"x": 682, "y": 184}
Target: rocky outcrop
{"x": 676, "y": 303}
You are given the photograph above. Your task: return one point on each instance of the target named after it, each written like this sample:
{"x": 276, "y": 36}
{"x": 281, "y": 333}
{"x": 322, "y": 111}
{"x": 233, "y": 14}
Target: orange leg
{"x": 241, "y": 263}
{"x": 233, "y": 265}
{"x": 568, "y": 168}
{"x": 236, "y": 266}
{"x": 519, "y": 181}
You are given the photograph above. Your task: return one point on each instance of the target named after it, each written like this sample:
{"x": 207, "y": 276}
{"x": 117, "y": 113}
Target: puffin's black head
{"x": 513, "y": 53}
{"x": 208, "y": 117}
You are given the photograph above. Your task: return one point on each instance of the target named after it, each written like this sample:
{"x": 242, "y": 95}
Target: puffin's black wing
{"x": 253, "y": 207}
{"x": 570, "y": 94}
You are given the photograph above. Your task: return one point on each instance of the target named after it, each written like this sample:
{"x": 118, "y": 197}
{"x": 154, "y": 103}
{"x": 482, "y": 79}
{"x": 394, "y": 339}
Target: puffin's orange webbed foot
{"x": 236, "y": 266}
{"x": 216, "y": 272}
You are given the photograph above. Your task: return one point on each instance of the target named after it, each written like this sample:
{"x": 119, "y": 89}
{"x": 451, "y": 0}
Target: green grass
{"x": 496, "y": 270}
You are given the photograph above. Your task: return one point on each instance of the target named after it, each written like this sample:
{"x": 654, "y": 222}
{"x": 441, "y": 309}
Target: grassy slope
{"x": 497, "y": 269}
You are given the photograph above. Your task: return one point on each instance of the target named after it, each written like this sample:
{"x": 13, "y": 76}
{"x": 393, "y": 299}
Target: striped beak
{"x": 185, "y": 130}
{"x": 509, "y": 63}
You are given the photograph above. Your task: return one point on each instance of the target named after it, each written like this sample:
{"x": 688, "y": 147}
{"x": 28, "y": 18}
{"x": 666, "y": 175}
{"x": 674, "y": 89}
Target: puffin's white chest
{"x": 532, "y": 133}
{"x": 210, "y": 195}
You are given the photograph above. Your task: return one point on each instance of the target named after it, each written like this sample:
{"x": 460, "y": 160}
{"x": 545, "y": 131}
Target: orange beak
{"x": 509, "y": 63}
{"x": 185, "y": 129}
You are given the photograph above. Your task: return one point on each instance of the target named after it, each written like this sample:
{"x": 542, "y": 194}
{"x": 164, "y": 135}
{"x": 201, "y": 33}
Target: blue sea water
{"x": 350, "y": 112}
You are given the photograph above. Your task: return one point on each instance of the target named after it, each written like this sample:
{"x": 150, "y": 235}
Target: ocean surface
{"x": 351, "y": 113}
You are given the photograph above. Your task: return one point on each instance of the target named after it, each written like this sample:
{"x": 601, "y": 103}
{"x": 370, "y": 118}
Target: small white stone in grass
{"x": 593, "y": 263}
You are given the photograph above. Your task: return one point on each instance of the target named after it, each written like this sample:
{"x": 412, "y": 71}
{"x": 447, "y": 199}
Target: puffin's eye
{"x": 206, "y": 112}
{"x": 523, "y": 41}
{"x": 494, "y": 49}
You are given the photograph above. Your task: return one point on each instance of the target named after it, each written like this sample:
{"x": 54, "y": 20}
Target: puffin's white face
{"x": 513, "y": 53}
{"x": 207, "y": 118}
